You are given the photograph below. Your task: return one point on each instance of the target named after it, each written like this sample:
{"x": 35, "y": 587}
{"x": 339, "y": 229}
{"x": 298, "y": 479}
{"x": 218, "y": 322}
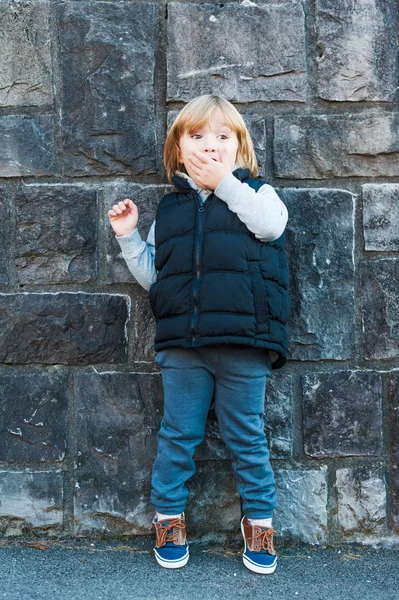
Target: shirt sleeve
{"x": 262, "y": 211}
{"x": 139, "y": 256}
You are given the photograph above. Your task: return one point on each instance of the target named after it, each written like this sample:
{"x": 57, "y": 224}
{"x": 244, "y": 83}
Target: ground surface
{"x": 126, "y": 570}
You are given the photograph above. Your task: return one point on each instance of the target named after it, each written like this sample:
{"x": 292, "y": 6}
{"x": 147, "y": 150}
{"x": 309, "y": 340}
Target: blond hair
{"x": 194, "y": 115}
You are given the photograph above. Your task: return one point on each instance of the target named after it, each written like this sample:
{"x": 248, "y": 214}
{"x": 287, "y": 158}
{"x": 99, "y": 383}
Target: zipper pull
{"x": 201, "y": 208}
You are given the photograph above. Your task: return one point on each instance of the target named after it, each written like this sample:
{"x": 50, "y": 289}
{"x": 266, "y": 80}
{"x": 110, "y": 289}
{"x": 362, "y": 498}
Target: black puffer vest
{"x": 217, "y": 283}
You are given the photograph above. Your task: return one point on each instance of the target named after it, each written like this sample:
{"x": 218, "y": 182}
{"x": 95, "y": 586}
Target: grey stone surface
{"x": 257, "y": 129}
{"x": 361, "y": 500}
{"x": 4, "y": 237}
{"x": 56, "y": 234}
{"x": 26, "y": 145}
{"x": 381, "y": 216}
{"x": 108, "y": 110}
{"x": 319, "y": 242}
{"x": 241, "y": 52}
{"x": 357, "y": 50}
{"x": 342, "y": 414}
{"x": 347, "y": 145}
{"x": 301, "y": 511}
{"x": 31, "y": 503}
{"x": 213, "y": 505}
{"x": 393, "y": 416}
{"x": 147, "y": 198}
{"x": 118, "y": 416}
{"x": 25, "y": 59}
{"x": 63, "y": 328}
{"x": 143, "y": 333}
{"x": 380, "y": 307}
{"x": 33, "y": 425}
{"x": 278, "y": 415}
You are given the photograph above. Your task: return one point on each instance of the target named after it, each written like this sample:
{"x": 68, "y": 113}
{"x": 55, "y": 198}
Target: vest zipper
{"x": 201, "y": 210}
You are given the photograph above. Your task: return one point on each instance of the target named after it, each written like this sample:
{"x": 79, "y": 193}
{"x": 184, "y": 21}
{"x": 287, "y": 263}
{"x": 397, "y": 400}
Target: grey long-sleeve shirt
{"x": 262, "y": 212}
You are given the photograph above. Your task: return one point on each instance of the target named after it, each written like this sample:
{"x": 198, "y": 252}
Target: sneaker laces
{"x": 266, "y": 540}
{"x": 166, "y": 535}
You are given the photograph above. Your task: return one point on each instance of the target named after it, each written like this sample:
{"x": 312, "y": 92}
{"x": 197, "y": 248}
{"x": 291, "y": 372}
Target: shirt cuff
{"x": 130, "y": 243}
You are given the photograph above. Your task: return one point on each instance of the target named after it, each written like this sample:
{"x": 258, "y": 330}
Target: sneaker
{"x": 259, "y": 555}
{"x": 171, "y": 548}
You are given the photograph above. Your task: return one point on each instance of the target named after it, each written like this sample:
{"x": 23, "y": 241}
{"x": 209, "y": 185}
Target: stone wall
{"x": 87, "y": 90}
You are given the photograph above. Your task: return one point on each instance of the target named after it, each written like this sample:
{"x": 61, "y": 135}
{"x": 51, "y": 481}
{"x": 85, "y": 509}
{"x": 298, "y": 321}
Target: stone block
{"x": 143, "y": 334}
{"x": 56, "y": 237}
{"x": 261, "y": 61}
{"x": 26, "y": 145}
{"x": 4, "y": 237}
{"x": 33, "y": 412}
{"x": 357, "y": 50}
{"x": 213, "y": 505}
{"x": 63, "y": 328}
{"x": 301, "y": 512}
{"x": 394, "y": 446}
{"x": 257, "y": 129}
{"x": 25, "y": 60}
{"x": 118, "y": 416}
{"x": 147, "y": 198}
{"x": 320, "y": 242}
{"x": 326, "y": 146}
{"x": 380, "y": 308}
{"x": 361, "y": 499}
{"x": 342, "y": 414}
{"x": 107, "y": 55}
{"x": 381, "y": 216}
{"x": 31, "y": 503}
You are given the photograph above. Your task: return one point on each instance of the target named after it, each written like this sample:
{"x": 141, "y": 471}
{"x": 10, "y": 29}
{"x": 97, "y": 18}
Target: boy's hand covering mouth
{"x": 207, "y": 174}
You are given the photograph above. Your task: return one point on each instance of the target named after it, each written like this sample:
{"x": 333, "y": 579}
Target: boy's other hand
{"x": 123, "y": 217}
{"x": 208, "y": 172}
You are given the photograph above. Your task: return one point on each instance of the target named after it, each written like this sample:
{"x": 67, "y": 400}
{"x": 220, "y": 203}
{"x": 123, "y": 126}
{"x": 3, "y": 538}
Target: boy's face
{"x": 213, "y": 139}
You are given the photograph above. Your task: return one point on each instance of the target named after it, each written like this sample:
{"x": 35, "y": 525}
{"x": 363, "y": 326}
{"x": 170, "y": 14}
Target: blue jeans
{"x": 236, "y": 377}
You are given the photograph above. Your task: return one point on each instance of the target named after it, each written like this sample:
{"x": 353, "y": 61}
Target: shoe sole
{"x": 252, "y": 566}
{"x": 172, "y": 564}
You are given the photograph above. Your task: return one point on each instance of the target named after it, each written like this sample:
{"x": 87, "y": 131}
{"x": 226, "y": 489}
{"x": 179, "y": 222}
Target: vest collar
{"x": 183, "y": 182}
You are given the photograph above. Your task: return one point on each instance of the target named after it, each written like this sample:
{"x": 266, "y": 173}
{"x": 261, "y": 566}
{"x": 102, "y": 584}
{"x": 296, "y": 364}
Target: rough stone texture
{"x": 257, "y": 129}
{"x": 278, "y": 415}
{"x": 381, "y": 216}
{"x": 380, "y": 308}
{"x": 63, "y": 328}
{"x": 118, "y": 417}
{"x": 320, "y": 241}
{"x": 301, "y": 511}
{"x": 107, "y": 60}
{"x": 263, "y": 59}
{"x": 147, "y": 198}
{"x": 4, "y": 238}
{"x": 31, "y": 503}
{"x": 143, "y": 333}
{"x": 357, "y": 50}
{"x": 214, "y": 503}
{"x": 361, "y": 501}
{"x": 394, "y": 445}
{"x": 56, "y": 236}
{"x": 33, "y": 418}
{"x": 25, "y": 60}
{"x": 26, "y": 145}
{"x": 342, "y": 414}
{"x": 317, "y": 147}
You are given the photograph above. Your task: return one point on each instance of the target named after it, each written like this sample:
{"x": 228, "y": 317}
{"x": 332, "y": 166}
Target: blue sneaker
{"x": 259, "y": 555}
{"x": 171, "y": 548}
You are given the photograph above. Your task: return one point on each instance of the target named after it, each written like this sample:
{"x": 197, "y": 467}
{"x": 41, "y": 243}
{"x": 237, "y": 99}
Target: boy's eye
{"x": 195, "y": 135}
